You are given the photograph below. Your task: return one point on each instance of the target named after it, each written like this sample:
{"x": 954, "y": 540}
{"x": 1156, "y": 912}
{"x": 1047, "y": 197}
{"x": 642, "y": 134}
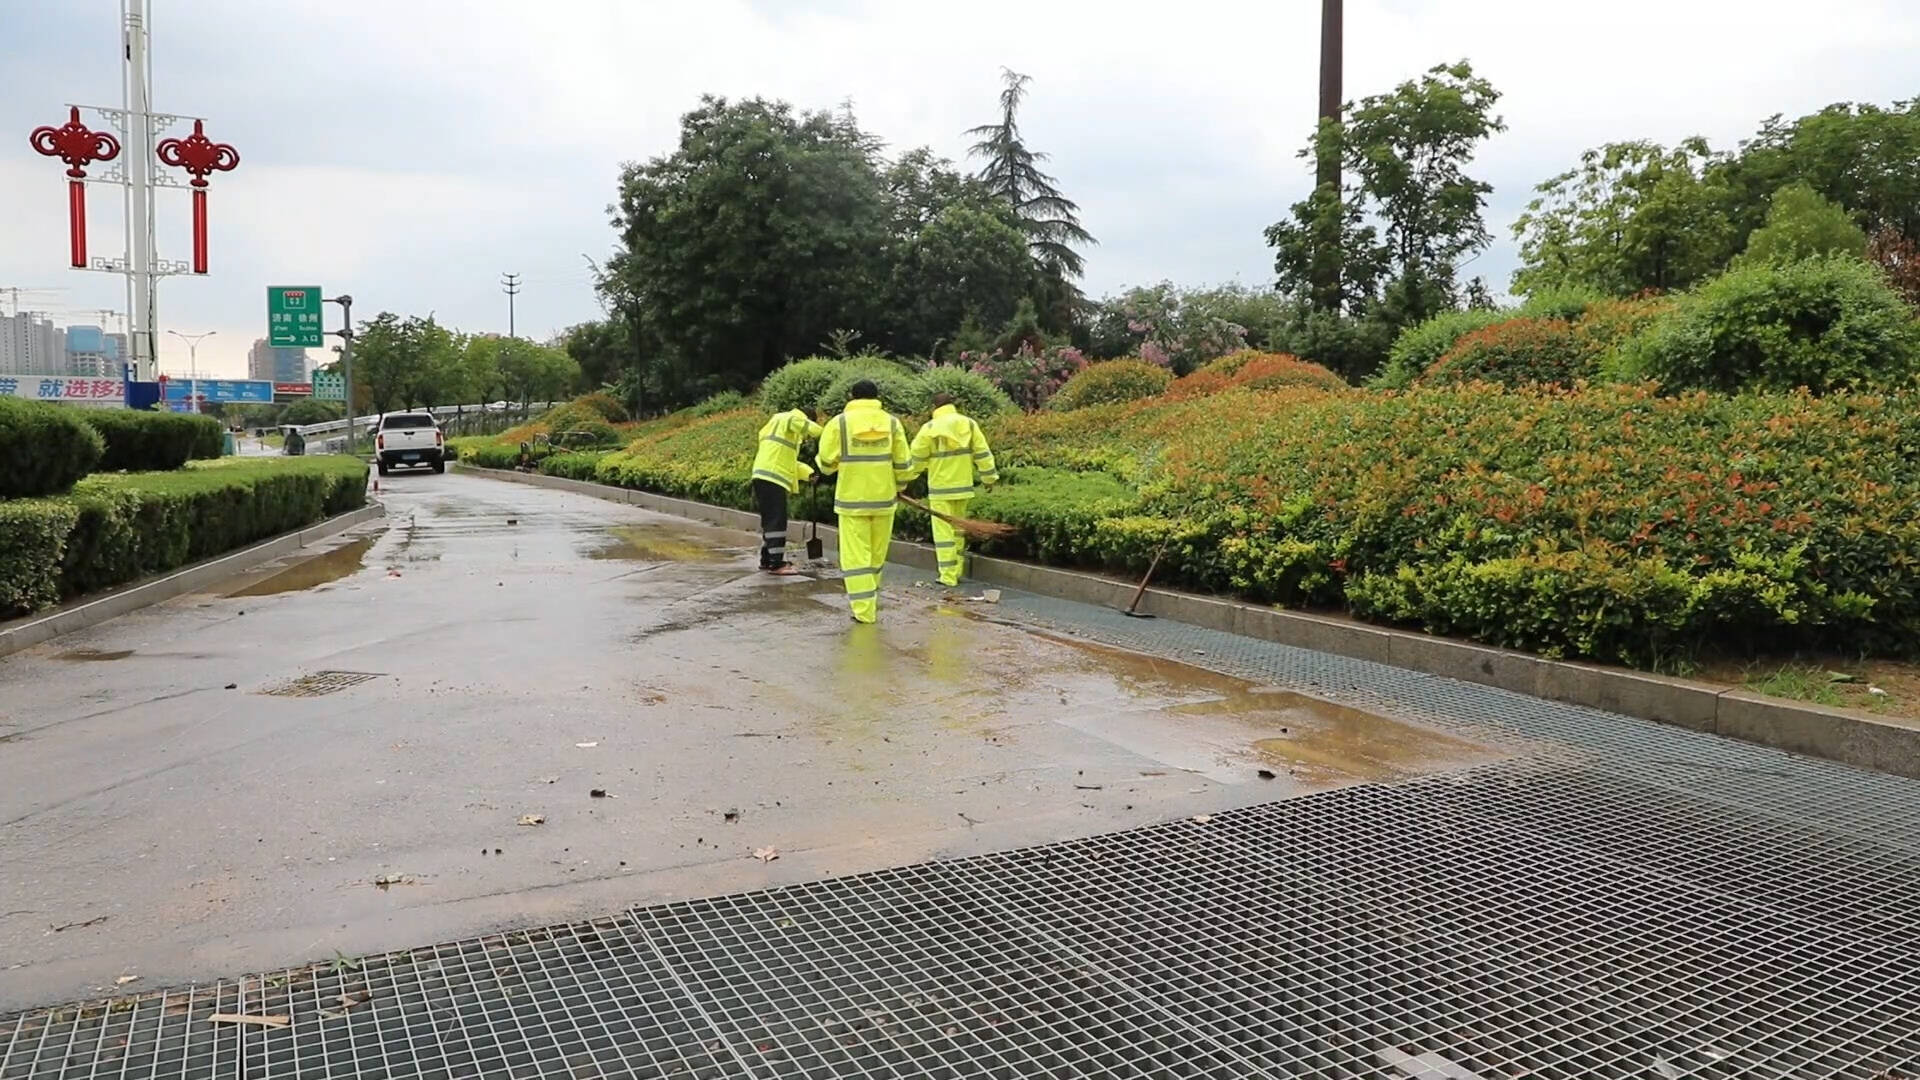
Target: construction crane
{"x": 16, "y": 290}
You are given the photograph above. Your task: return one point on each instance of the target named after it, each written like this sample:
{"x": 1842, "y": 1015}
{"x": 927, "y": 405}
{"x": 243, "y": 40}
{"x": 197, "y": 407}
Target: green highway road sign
{"x": 329, "y": 386}
{"x": 294, "y": 317}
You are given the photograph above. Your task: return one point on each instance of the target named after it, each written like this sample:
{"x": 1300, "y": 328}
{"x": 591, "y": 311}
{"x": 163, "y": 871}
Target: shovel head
{"x": 816, "y": 549}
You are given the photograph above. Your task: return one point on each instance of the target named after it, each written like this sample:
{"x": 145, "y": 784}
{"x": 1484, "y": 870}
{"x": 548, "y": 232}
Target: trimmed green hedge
{"x": 153, "y": 441}
{"x": 1614, "y": 522}
{"x": 1109, "y": 383}
{"x": 44, "y": 448}
{"x": 115, "y": 528}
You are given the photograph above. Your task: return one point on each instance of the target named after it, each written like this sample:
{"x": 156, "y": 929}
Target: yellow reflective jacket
{"x": 953, "y": 450}
{"x": 778, "y": 459}
{"x": 868, "y": 450}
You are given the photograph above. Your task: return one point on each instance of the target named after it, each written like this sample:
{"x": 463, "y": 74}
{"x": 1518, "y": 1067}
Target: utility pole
{"x": 1327, "y": 157}
{"x": 510, "y": 284}
{"x": 1331, "y": 53}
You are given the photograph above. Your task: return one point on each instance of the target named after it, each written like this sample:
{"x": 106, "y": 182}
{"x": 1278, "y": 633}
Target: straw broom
{"x": 974, "y": 528}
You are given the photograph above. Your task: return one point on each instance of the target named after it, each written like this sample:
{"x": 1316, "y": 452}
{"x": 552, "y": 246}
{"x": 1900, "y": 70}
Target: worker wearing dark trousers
{"x": 771, "y": 500}
{"x": 777, "y": 472}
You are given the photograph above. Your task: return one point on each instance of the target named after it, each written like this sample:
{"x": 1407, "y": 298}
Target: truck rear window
{"x": 407, "y": 421}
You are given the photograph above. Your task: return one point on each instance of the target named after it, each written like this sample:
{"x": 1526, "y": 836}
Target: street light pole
{"x": 193, "y": 362}
{"x": 345, "y": 334}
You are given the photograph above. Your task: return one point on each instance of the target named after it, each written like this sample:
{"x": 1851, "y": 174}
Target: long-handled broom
{"x": 973, "y": 527}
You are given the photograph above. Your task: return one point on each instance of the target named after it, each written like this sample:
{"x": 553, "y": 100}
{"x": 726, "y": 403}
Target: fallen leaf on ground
{"x": 586, "y": 745}
{"x": 1265, "y": 774}
{"x": 233, "y": 686}
{"x": 246, "y": 1018}
{"x": 1202, "y": 819}
{"x": 732, "y": 816}
{"x": 765, "y": 854}
{"x": 124, "y": 980}
{"x": 532, "y": 819}
{"x": 597, "y": 793}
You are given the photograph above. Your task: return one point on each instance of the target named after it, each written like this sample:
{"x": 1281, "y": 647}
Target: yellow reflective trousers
{"x": 949, "y": 543}
{"x": 864, "y": 539}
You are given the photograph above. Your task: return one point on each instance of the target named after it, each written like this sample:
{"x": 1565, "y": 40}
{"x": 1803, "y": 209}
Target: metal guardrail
{"x": 438, "y": 411}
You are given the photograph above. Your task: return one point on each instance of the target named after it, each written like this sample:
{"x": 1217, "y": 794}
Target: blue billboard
{"x": 258, "y": 391}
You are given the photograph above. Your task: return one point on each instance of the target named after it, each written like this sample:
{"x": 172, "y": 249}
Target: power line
{"x": 510, "y": 284}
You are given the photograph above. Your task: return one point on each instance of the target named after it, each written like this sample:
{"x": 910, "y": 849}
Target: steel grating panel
{"x": 1622, "y": 900}
{"x": 1473, "y": 916}
{"x": 1693, "y": 764}
{"x": 321, "y": 682}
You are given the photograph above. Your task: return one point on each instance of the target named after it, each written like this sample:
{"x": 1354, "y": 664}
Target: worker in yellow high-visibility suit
{"x": 954, "y": 452}
{"x": 866, "y": 447}
{"x": 777, "y": 472}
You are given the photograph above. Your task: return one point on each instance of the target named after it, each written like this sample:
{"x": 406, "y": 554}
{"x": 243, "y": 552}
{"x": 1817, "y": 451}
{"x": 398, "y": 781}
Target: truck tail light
{"x": 439, "y": 438}
{"x": 379, "y": 442}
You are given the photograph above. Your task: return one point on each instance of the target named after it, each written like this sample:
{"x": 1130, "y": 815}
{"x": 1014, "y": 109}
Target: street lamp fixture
{"x": 193, "y": 362}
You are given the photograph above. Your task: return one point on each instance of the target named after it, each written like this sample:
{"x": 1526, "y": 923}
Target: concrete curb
{"x": 1850, "y": 736}
{"x": 78, "y": 616}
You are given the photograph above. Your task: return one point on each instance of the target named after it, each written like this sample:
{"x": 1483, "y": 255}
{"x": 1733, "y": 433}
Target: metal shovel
{"x": 815, "y": 549}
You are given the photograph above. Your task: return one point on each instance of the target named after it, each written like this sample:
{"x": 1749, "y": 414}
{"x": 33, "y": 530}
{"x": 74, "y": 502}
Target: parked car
{"x": 409, "y": 440}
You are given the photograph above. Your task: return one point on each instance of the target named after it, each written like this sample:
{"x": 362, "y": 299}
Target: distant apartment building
{"x": 276, "y": 364}
{"x": 31, "y": 345}
{"x": 91, "y": 352}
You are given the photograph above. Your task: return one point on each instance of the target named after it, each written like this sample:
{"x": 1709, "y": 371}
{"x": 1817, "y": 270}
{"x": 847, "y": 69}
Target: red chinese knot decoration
{"x": 200, "y": 156}
{"x": 79, "y": 146}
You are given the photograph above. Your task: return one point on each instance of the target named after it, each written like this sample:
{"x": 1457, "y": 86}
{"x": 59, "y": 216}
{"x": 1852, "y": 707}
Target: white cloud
{"x": 411, "y": 151}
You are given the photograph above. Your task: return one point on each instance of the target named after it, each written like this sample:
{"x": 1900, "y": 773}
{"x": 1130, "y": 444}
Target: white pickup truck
{"x": 409, "y": 440}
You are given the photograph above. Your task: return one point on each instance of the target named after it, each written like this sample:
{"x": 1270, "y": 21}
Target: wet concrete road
{"x": 176, "y": 821}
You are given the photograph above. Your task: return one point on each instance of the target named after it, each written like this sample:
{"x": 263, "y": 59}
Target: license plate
{"x": 409, "y": 457}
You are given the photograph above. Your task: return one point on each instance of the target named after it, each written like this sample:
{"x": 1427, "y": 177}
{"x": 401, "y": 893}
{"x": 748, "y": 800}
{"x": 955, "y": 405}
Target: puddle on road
{"x": 1240, "y": 727}
{"x": 1322, "y": 739}
{"x": 661, "y": 543}
{"x": 91, "y": 655}
{"x": 319, "y": 570}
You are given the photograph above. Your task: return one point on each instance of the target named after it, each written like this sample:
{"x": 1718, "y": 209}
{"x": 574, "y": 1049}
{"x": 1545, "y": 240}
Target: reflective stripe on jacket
{"x": 867, "y": 448}
{"x": 953, "y": 450}
{"x": 778, "y": 459}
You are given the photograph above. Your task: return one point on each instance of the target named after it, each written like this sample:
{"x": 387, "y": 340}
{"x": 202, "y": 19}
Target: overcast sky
{"x": 410, "y": 151}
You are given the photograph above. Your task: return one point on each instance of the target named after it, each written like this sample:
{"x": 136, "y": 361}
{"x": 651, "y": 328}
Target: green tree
{"x": 1326, "y": 254}
{"x": 602, "y": 348}
{"x": 1634, "y": 216}
{"x": 1384, "y": 252}
{"x": 407, "y": 362}
{"x": 480, "y": 368}
{"x": 1802, "y": 225}
{"x": 381, "y": 358}
{"x": 534, "y": 372}
{"x": 965, "y": 262}
{"x": 761, "y": 233}
{"x": 1858, "y": 156}
{"x": 308, "y": 411}
{"x": 1409, "y": 151}
{"x": 1012, "y": 171}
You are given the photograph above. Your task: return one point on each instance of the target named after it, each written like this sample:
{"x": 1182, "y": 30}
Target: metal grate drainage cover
{"x": 1531, "y": 918}
{"x": 321, "y": 682}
